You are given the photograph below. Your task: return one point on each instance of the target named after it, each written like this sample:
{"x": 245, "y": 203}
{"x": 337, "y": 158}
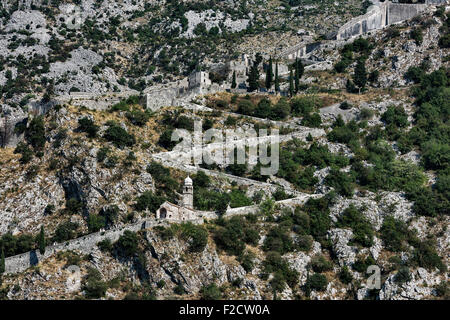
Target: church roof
{"x": 170, "y": 204}
{"x": 188, "y": 181}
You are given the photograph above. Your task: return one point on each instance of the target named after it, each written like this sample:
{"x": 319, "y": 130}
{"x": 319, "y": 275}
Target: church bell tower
{"x": 188, "y": 193}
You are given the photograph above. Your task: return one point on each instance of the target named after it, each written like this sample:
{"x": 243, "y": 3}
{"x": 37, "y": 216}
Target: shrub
{"x": 237, "y": 169}
{"x": 197, "y": 236}
{"x": 361, "y": 264}
{"x": 239, "y": 199}
{"x": 230, "y": 121}
{"x": 25, "y": 151}
{"x": 320, "y": 264}
{"x": 278, "y": 283}
{"x": 184, "y": 122}
{"x": 317, "y": 282}
{"x": 93, "y": 285}
{"x": 274, "y": 263}
{"x": 35, "y": 133}
{"x": 341, "y": 182}
{"x": 304, "y": 242}
{"x": 395, "y": 115}
{"x": 102, "y": 153}
{"x": 394, "y": 233}
{"x": 161, "y": 284}
{"x": 110, "y": 214}
{"x": 281, "y": 110}
{"x": 201, "y": 180}
{"x": 279, "y": 240}
{"x": 403, "y": 275}
{"x": 222, "y": 104}
{"x": 345, "y": 105}
{"x": 65, "y": 231}
{"x": 73, "y": 206}
{"x": 105, "y": 245}
{"x": 342, "y": 65}
{"x": 417, "y": 35}
{"x": 127, "y": 243}
{"x": 233, "y": 235}
{"x": 210, "y": 292}
{"x": 165, "y": 140}
{"x": 247, "y": 261}
{"x": 312, "y": 120}
{"x": 49, "y": 209}
{"x": 148, "y": 201}
{"x": 435, "y": 155}
{"x": 263, "y": 109}
{"x": 362, "y": 229}
{"x": 343, "y": 133}
{"x": 415, "y": 74}
{"x": 246, "y": 107}
{"x": 318, "y": 211}
{"x": 442, "y": 290}
{"x": 87, "y": 125}
{"x": 205, "y": 199}
{"x": 425, "y": 256}
{"x": 119, "y": 136}
{"x": 138, "y": 117}
{"x": 95, "y": 222}
{"x": 345, "y": 275}
{"x": 302, "y": 106}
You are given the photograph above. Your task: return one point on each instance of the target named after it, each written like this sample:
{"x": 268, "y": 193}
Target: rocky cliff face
{"x": 368, "y": 194}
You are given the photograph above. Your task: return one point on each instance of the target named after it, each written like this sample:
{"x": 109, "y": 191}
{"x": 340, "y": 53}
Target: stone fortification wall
{"x": 382, "y": 14}
{"x": 84, "y": 244}
{"x": 375, "y": 18}
{"x": 398, "y": 12}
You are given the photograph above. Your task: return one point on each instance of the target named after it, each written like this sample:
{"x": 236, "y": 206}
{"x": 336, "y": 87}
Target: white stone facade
{"x": 172, "y": 212}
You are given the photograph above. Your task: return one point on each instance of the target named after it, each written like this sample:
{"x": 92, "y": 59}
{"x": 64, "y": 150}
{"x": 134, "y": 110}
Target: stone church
{"x": 183, "y": 212}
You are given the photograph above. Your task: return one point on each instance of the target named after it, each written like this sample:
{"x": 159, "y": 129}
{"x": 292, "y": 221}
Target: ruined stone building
{"x": 199, "y": 79}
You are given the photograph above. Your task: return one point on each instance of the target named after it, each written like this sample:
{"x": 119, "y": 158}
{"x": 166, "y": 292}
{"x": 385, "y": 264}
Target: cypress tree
{"x": 41, "y": 241}
{"x": 2, "y": 262}
{"x": 277, "y": 80}
{"x": 360, "y": 75}
{"x": 291, "y": 84}
{"x": 253, "y": 77}
{"x": 233, "y": 81}
{"x": 300, "y": 69}
{"x": 269, "y": 75}
{"x": 297, "y": 79}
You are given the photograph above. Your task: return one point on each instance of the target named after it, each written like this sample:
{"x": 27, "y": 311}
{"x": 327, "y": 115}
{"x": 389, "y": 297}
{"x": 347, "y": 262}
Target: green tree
{"x": 277, "y": 79}
{"x": 93, "y": 285}
{"x": 41, "y": 241}
{"x": 299, "y": 69}
{"x": 88, "y": 125}
{"x": 35, "y": 133}
{"x": 291, "y": 84}
{"x": 253, "y": 76}
{"x": 316, "y": 282}
{"x": 269, "y": 75}
{"x": 211, "y": 292}
{"x": 360, "y": 75}
{"x": 128, "y": 243}
{"x": 233, "y": 81}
